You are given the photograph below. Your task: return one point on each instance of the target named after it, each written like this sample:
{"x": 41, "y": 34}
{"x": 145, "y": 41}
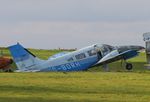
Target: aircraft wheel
{"x": 129, "y": 66}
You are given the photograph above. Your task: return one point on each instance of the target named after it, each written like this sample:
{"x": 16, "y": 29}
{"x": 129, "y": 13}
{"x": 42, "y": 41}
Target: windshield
{"x": 105, "y": 49}
{"x": 110, "y": 48}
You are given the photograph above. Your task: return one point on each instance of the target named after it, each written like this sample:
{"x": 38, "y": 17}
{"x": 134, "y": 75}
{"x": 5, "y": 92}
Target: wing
{"x": 115, "y": 55}
{"x": 58, "y": 55}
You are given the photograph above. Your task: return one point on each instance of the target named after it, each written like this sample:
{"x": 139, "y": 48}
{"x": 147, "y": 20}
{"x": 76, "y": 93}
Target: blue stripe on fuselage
{"x": 74, "y": 66}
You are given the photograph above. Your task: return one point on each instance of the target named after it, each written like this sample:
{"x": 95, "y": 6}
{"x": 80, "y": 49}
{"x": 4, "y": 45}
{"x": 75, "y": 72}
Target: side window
{"x": 70, "y": 59}
{"x": 80, "y": 56}
{"x": 91, "y": 52}
{"x": 104, "y": 50}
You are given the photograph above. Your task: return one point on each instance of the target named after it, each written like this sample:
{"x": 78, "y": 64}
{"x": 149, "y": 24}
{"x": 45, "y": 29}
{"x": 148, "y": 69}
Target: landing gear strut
{"x": 129, "y": 66}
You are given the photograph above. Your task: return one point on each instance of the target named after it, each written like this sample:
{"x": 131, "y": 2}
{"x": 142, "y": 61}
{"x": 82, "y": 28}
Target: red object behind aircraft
{"x": 5, "y": 64}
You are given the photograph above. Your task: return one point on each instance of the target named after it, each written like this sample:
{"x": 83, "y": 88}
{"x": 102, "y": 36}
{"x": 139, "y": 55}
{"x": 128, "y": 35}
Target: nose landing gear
{"x": 129, "y": 66}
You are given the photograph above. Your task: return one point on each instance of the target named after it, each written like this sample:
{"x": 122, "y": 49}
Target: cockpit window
{"x": 80, "y": 56}
{"x": 91, "y": 52}
{"x": 105, "y": 49}
{"x": 110, "y": 48}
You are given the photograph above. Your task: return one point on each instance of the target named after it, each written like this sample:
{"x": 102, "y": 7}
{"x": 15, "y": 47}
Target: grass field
{"x": 75, "y": 87}
{"x": 95, "y": 85}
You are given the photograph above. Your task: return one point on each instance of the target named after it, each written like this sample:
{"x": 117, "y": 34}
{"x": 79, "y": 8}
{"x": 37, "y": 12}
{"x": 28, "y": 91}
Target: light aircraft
{"x": 78, "y": 60}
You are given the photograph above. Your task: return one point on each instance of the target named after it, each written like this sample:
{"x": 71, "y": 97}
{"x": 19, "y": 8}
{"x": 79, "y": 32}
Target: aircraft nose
{"x": 141, "y": 47}
{"x": 138, "y": 48}
{"x": 125, "y": 48}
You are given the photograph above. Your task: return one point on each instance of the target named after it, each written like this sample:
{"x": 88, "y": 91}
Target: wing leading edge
{"x": 115, "y": 55}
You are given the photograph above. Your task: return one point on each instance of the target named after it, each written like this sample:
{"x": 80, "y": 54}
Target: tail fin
{"x": 24, "y": 59}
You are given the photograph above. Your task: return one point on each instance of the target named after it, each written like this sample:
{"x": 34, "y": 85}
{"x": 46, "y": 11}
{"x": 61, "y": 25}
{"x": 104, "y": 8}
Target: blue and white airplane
{"x": 79, "y": 60}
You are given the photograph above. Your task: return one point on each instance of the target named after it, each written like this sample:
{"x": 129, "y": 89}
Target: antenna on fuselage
{"x": 146, "y": 37}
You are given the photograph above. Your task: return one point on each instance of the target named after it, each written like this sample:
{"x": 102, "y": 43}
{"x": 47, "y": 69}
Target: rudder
{"x": 23, "y": 58}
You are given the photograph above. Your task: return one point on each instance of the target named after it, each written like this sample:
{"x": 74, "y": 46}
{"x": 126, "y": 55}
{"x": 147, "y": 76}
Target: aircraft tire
{"x": 129, "y": 66}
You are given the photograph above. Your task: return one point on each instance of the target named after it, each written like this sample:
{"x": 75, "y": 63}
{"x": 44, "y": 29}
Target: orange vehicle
{"x": 5, "y": 64}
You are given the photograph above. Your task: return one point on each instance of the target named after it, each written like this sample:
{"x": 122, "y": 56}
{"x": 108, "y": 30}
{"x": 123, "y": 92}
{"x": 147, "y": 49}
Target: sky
{"x": 50, "y": 24}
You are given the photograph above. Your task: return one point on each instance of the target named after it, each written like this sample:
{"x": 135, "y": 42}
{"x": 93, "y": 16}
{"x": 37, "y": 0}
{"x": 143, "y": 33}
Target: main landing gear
{"x": 129, "y": 66}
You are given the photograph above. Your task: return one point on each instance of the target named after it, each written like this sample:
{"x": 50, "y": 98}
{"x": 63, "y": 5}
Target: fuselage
{"x": 82, "y": 59}
{"x": 73, "y": 61}
{"x": 78, "y": 60}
